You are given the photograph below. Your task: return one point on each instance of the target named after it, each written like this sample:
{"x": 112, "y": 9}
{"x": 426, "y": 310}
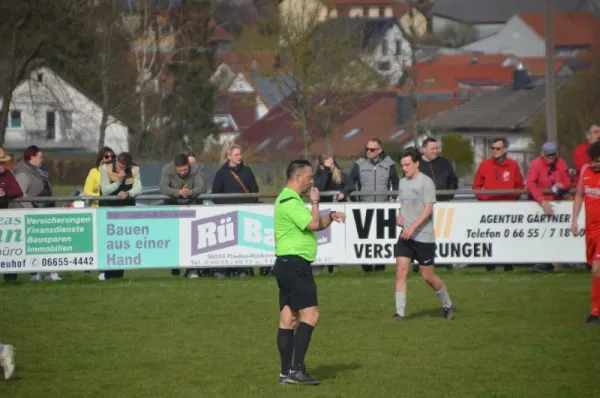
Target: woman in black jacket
{"x": 234, "y": 177}
{"x": 329, "y": 177}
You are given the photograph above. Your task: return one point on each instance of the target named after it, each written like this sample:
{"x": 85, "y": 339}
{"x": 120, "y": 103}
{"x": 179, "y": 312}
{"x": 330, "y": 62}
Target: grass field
{"x": 154, "y": 335}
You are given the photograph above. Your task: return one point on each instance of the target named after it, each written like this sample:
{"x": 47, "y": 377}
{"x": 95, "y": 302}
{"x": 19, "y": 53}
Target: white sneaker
{"x": 36, "y": 277}
{"x": 193, "y": 276}
{"x": 101, "y": 276}
{"x": 53, "y": 276}
{"x": 7, "y": 360}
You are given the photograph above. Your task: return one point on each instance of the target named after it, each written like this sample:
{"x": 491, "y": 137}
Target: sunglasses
{"x": 109, "y": 156}
{"x": 371, "y": 149}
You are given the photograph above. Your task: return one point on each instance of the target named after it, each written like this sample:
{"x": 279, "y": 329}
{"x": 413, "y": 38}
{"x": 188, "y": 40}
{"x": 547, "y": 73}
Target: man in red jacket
{"x": 498, "y": 172}
{"x": 548, "y": 172}
{"x": 580, "y": 156}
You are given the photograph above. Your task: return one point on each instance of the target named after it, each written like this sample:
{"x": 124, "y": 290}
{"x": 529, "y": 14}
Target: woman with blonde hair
{"x": 234, "y": 177}
{"x": 330, "y": 177}
{"x": 92, "y": 182}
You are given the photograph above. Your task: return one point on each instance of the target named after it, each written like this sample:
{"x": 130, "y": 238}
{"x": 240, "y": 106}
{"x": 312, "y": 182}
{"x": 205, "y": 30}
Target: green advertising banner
{"x": 61, "y": 240}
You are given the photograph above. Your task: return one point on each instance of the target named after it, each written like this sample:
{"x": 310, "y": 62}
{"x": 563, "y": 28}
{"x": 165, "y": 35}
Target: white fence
{"x": 67, "y": 239}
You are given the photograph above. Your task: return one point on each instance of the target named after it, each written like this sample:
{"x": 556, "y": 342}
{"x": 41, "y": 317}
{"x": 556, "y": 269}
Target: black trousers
{"x": 113, "y": 274}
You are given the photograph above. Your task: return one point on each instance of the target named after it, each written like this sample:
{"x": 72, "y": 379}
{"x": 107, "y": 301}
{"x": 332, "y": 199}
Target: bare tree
{"x": 320, "y": 69}
{"x": 34, "y": 32}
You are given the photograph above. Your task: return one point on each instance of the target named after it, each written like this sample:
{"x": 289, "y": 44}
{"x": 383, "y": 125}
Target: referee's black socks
{"x": 285, "y": 343}
{"x": 301, "y": 342}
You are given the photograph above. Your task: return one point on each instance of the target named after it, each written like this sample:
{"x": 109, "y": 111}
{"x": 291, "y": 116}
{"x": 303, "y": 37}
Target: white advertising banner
{"x": 243, "y": 236}
{"x": 474, "y": 233}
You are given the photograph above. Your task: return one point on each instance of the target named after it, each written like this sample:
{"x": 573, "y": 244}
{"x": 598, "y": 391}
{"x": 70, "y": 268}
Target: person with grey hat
{"x": 548, "y": 172}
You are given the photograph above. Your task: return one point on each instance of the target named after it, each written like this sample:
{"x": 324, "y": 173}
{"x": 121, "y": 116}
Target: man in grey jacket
{"x": 183, "y": 182}
{"x": 376, "y": 171}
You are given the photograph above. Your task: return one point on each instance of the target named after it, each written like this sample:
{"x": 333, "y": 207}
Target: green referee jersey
{"x": 291, "y": 219}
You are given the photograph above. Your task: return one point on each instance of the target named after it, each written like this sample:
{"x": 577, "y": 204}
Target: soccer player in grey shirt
{"x": 417, "y": 240}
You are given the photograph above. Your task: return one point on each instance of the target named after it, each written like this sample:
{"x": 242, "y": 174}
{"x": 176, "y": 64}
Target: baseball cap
{"x": 549, "y": 148}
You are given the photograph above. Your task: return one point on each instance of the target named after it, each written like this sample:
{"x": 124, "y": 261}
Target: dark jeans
{"x": 369, "y": 267}
{"x": 114, "y": 274}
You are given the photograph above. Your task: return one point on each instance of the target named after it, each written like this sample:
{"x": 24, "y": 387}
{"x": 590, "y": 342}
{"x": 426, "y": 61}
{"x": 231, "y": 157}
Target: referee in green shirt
{"x": 296, "y": 249}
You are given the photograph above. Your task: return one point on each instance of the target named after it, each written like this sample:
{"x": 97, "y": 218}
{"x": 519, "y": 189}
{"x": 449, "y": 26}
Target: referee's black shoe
{"x": 301, "y": 376}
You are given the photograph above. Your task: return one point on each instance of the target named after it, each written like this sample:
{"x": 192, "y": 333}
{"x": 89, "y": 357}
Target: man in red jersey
{"x": 580, "y": 156}
{"x": 588, "y": 191}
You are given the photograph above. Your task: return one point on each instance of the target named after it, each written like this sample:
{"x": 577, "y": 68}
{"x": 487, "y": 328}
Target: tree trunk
{"x": 306, "y": 135}
{"x": 6, "y": 98}
{"x": 327, "y": 136}
{"x": 105, "y": 90}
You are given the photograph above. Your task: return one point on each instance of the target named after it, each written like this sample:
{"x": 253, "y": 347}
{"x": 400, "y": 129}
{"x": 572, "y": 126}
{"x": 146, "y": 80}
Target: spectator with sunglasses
{"x": 498, "y": 172}
{"x": 92, "y": 182}
{"x": 375, "y": 171}
{"x": 548, "y": 172}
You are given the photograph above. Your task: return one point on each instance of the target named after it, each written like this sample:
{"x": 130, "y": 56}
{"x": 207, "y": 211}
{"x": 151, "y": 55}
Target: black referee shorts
{"x": 297, "y": 287}
{"x": 423, "y": 252}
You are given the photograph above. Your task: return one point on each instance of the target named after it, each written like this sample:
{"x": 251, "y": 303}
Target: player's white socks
{"x": 443, "y": 294}
{"x": 400, "y": 303}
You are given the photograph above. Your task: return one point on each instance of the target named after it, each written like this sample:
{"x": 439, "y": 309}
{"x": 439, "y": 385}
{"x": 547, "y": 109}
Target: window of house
{"x": 384, "y": 47}
{"x": 398, "y": 47}
{"x": 40, "y": 77}
{"x": 224, "y": 47}
{"x": 365, "y": 11}
{"x": 384, "y": 65}
{"x": 15, "y": 119}
{"x": 382, "y": 11}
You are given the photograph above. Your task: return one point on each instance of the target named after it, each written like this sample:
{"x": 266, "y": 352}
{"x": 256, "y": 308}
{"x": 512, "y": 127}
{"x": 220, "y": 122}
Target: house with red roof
{"x": 385, "y": 115}
{"x": 462, "y": 74}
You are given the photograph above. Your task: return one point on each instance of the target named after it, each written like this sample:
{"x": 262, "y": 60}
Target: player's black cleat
{"x": 397, "y": 318}
{"x": 593, "y": 319}
{"x": 301, "y": 376}
{"x": 449, "y": 312}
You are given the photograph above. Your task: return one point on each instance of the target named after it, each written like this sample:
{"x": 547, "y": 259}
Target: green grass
{"x": 65, "y": 190}
{"x": 153, "y": 335}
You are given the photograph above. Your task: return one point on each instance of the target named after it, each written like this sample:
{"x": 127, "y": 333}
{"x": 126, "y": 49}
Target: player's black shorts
{"x": 422, "y": 252}
{"x": 297, "y": 286}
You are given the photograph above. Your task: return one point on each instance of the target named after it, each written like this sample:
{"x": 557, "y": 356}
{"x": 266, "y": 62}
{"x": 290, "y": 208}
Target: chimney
{"x": 404, "y": 108}
{"x": 520, "y": 77}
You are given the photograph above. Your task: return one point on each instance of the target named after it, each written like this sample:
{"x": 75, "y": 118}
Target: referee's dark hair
{"x": 411, "y": 152}
{"x": 295, "y": 165}
{"x": 594, "y": 151}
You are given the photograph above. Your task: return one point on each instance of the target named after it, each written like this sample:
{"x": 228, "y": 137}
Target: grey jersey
{"x": 413, "y": 195}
